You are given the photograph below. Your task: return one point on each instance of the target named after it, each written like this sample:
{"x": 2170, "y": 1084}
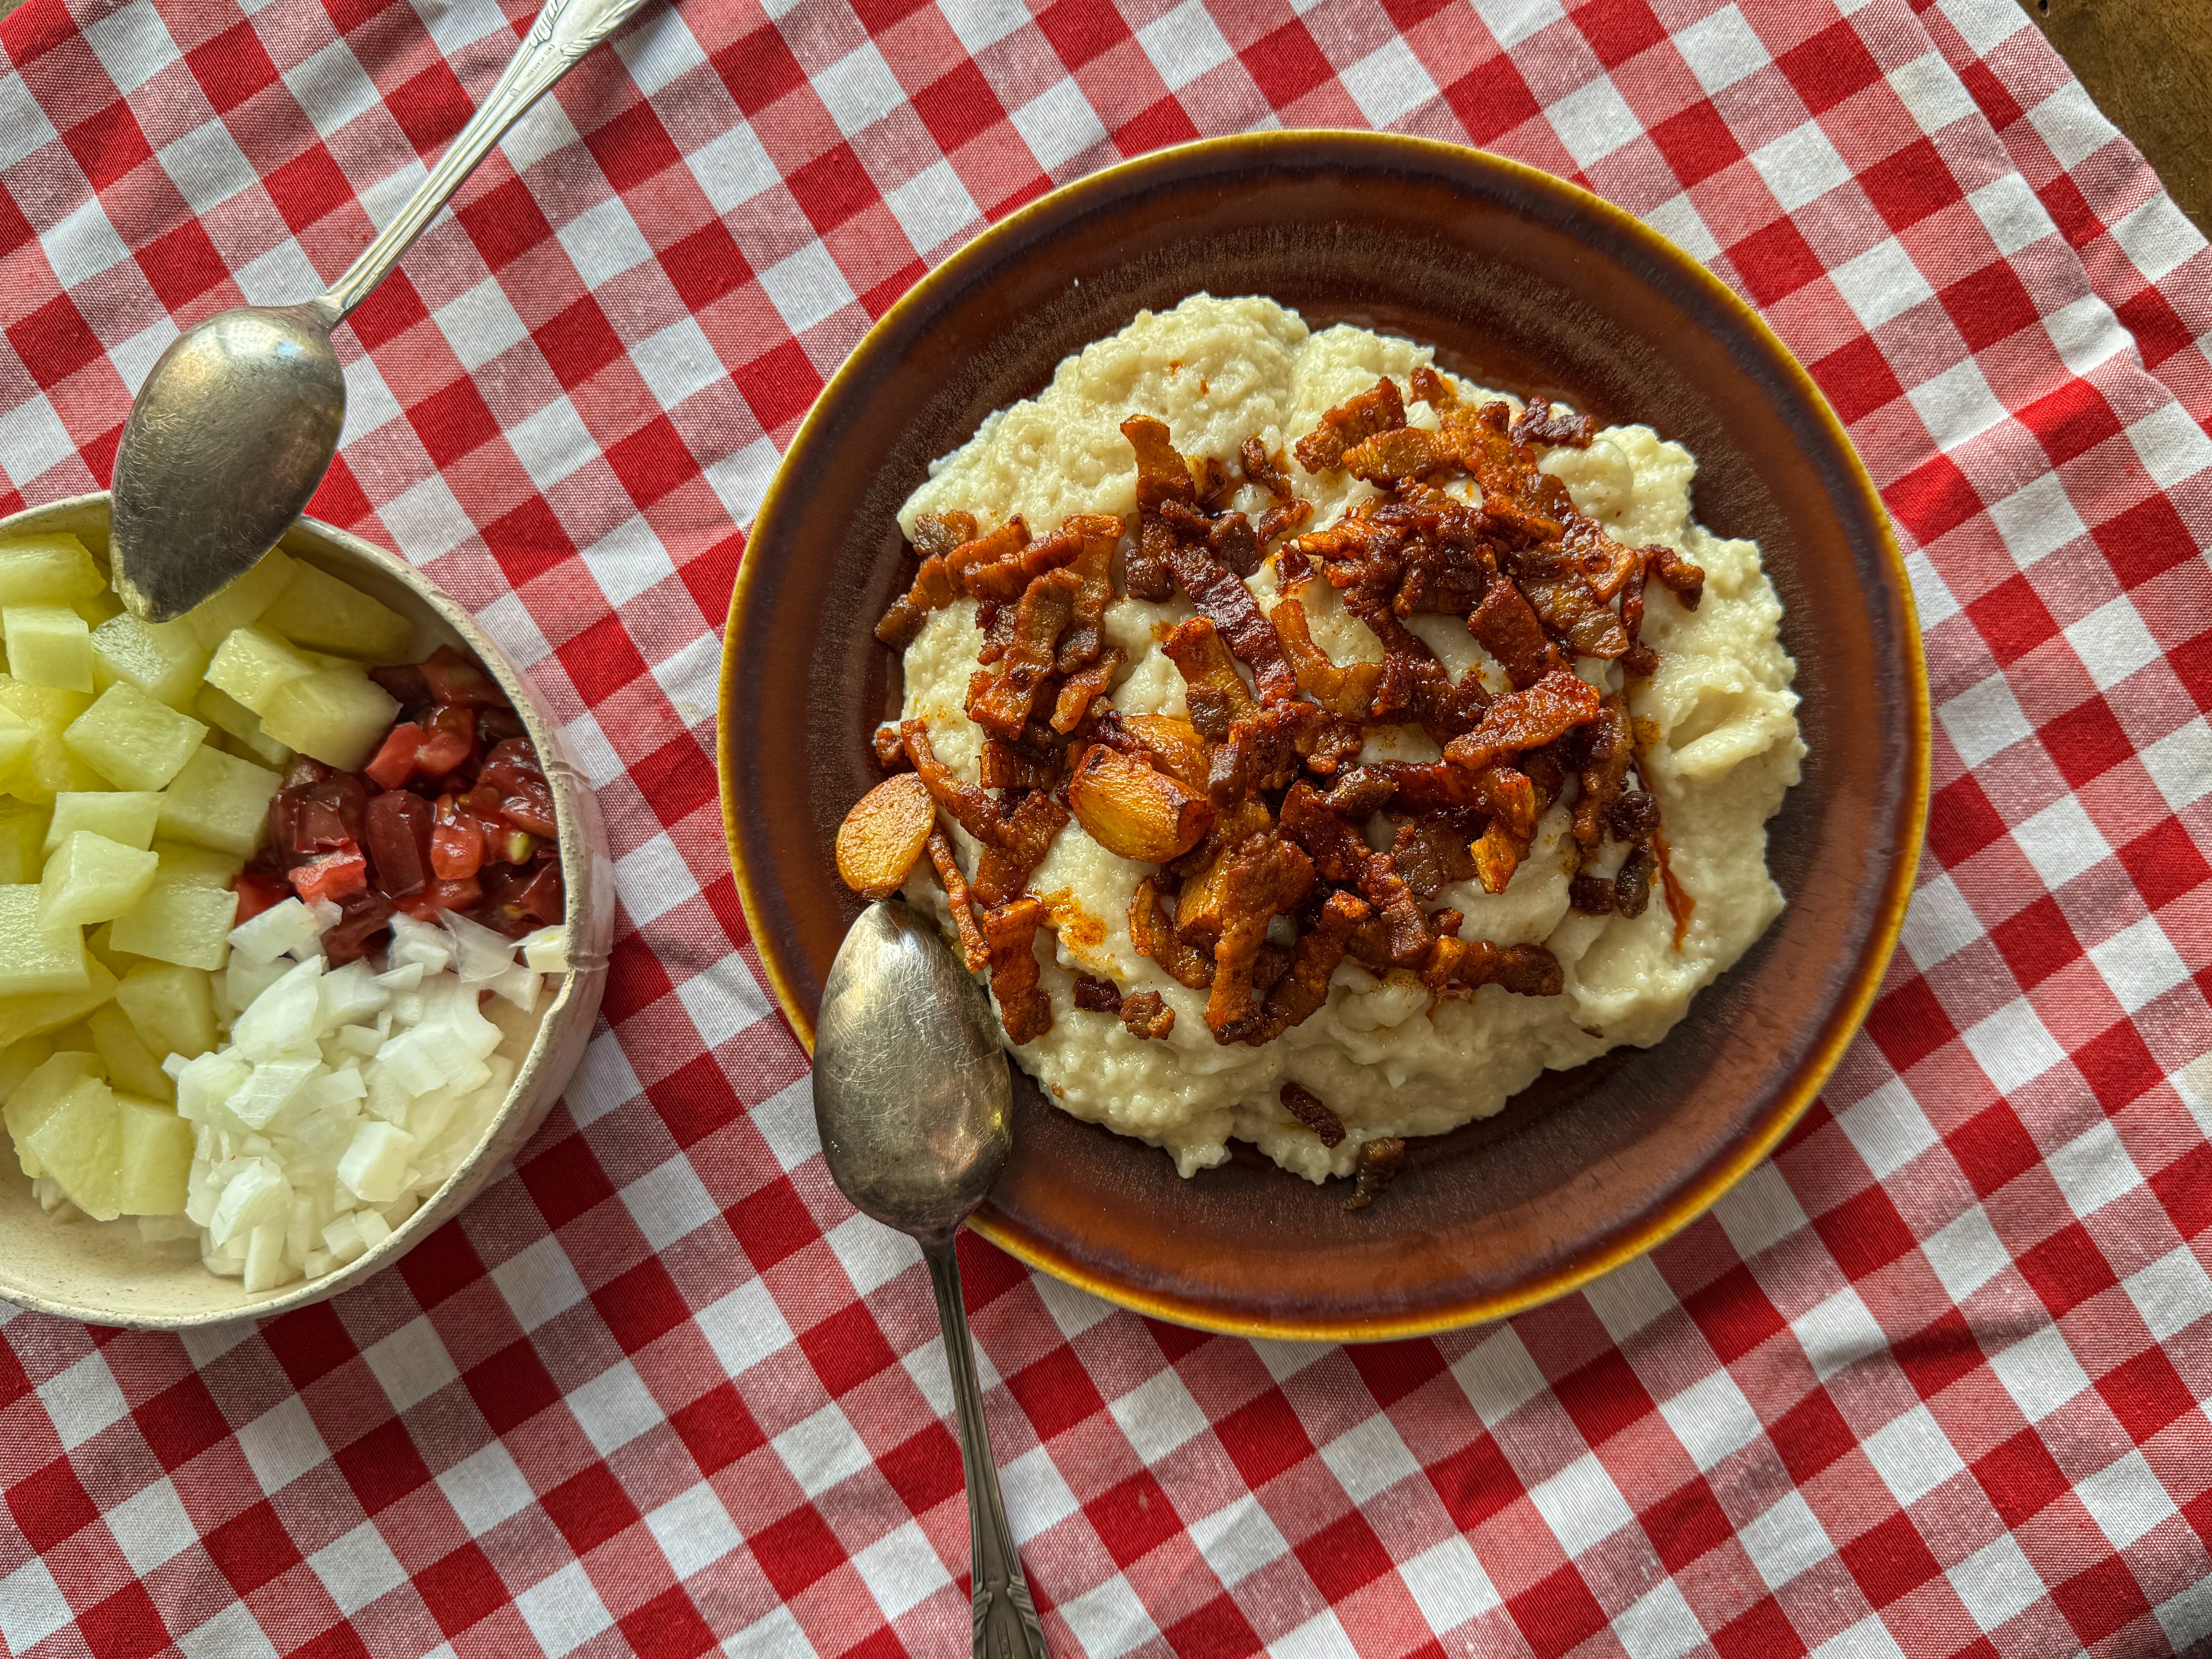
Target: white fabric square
{"x": 1722, "y": 49}
{"x": 1711, "y": 1419}
{"x": 83, "y": 242}
{"x": 732, "y": 167}
{"x": 1912, "y": 1456}
{"x": 411, "y": 1364}
{"x": 132, "y": 44}
{"x": 1109, "y": 1620}
{"x": 745, "y": 1327}
{"x": 1931, "y": 91}
{"x": 668, "y": 1201}
{"x": 1759, "y": 1211}
{"x": 232, "y": 1633}
{"x": 858, "y": 89}
{"x": 773, "y": 1636}
{"x": 369, "y": 403}
{"x": 278, "y": 276}
{"x": 1368, "y": 1459}
{"x": 614, "y": 1408}
{"x": 1881, "y": 283}
{"x": 2085, "y": 333}
{"x": 1868, "y": 1639}
{"x": 2010, "y": 211}
{"x": 1659, "y": 1624}
{"x": 1838, "y": 1333}
{"x": 426, "y": 520}
{"x": 1801, "y": 166}
{"x": 1967, "y": 1254}
{"x": 151, "y": 1526}
{"x": 694, "y": 1529}
{"x": 1158, "y": 1415}
{"x": 1498, "y": 1377}
{"x": 786, "y": 1121}
{"x": 740, "y": 480}
{"x": 2039, "y": 1372}
{"x": 2069, "y": 120}
{"x": 1931, "y": 595}
{"x": 479, "y": 324}
{"x": 454, "y": 24}
{"x": 2112, "y": 642}
{"x": 2180, "y": 764}
{"x": 1184, "y": 44}
{"x": 900, "y": 1569}
{"x": 32, "y": 1607}
{"x": 1321, "y": 1636}
{"x": 627, "y": 560}
{"x": 283, "y": 1444}
{"x": 1449, "y": 1586}
{"x": 821, "y": 1450}
{"x": 2140, "y": 964}
{"x": 981, "y": 24}
{"x": 2061, "y": 841}
{"x": 551, "y": 443}
{"x": 807, "y": 287}
{"x": 653, "y": 879}
{"x": 331, "y": 88}
{"x": 2014, "y": 1046}
{"x": 2125, "y": 1498}
{"x": 563, "y": 1610}
{"x": 1678, "y": 219}
{"x": 1983, "y": 719}
{"x": 1581, "y": 1504}
{"x": 677, "y": 362}
{"x": 657, "y": 49}
{"x": 2094, "y": 1169}
{"x": 1238, "y": 1540}
{"x": 603, "y": 242}
{"x": 2171, "y": 445}
{"x": 1388, "y": 83}
{"x": 82, "y": 1399}
{"x": 1996, "y": 1581}
{"x": 1513, "y": 21}
{"x": 1073, "y": 1311}
{"x": 933, "y": 204}
{"x": 723, "y": 997}
{"x": 33, "y": 439}
{"x": 2172, "y": 1293}
{"x": 871, "y": 1254}
{"x": 1785, "y": 1541}
{"x": 206, "y": 165}
{"x": 1957, "y": 404}
{"x": 686, "y": 676}
{"x": 1285, "y": 1360}
{"x": 133, "y": 358}
{"x": 538, "y": 1283}
{"x": 544, "y": 130}
{"x": 2186, "y": 1616}
{"x": 358, "y": 1567}
{"x": 1037, "y": 1497}
{"x": 24, "y": 127}
{"x": 485, "y": 1488}
{"x": 1594, "y": 120}
{"x": 605, "y": 1080}
{"x": 1940, "y": 924}
{"x": 1629, "y": 1298}
{"x": 1058, "y": 124}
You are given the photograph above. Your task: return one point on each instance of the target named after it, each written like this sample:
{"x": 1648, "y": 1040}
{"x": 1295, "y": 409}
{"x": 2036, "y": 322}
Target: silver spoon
{"x": 238, "y": 421}
{"x": 914, "y": 1104}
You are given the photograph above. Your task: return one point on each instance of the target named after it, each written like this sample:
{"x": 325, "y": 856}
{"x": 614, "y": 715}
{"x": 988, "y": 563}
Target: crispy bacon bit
{"x": 1380, "y": 1160}
{"x": 1264, "y": 469}
{"x": 1173, "y": 746}
{"x": 1546, "y": 711}
{"x": 1162, "y": 475}
{"x": 972, "y": 809}
{"x": 1293, "y": 999}
{"x": 1003, "y": 705}
{"x": 1214, "y": 689}
{"x": 1506, "y": 626}
{"x": 882, "y": 837}
{"x": 1543, "y": 423}
{"x": 1631, "y": 883}
{"x": 1640, "y": 661}
{"x": 1081, "y": 689}
{"x": 1133, "y": 812}
{"x": 1221, "y": 597}
{"x": 1458, "y": 966}
{"x": 1024, "y": 838}
{"x": 1230, "y": 540}
{"x": 1098, "y": 996}
{"x": 1605, "y": 772}
{"x": 1396, "y": 457}
{"x": 1005, "y": 766}
{"x": 1146, "y": 1016}
{"x": 1341, "y": 855}
{"x": 1150, "y": 933}
{"x": 1011, "y": 929}
{"x": 1430, "y": 857}
{"x": 1263, "y": 877}
{"x": 1635, "y": 816}
{"x": 1604, "y": 562}
{"x": 936, "y": 534}
{"x": 975, "y": 949}
{"x": 1344, "y": 691}
{"x": 1562, "y": 597}
{"x": 1281, "y": 521}
{"x": 1685, "y": 580}
{"x": 1093, "y": 565}
{"x": 969, "y": 561}
{"x": 889, "y": 747}
{"x": 1304, "y": 1104}
{"x": 1380, "y": 409}
{"x": 1210, "y": 478}
{"x": 1431, "y": 388}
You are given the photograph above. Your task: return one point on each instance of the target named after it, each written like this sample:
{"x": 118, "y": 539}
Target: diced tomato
{"x": 334, "y": 876}
{"x": 454, "y": 895}
{"x": 496, "y": 725}
{"x": 448, "y": 743}
{"x": 406, "y": 683}
{"x": 525, "y": 800}
{"x": 457, "y": 843}
{"x": 255, "y": 893}
{"x": 367, "y": 914}
{"x": 452, "y": 678}
{"x": 399, "y": 841}
{"x": 395, "y": 761}
{"x": 518, "y": 899}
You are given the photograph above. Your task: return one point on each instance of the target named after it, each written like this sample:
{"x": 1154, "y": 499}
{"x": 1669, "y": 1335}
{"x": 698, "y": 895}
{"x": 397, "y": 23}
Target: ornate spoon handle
{"x": 1006, "y": 1619}
{"x": 563, "y": 33}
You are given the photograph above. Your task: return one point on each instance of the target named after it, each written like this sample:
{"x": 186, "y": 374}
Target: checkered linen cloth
{"x": 1930, "y": 1380}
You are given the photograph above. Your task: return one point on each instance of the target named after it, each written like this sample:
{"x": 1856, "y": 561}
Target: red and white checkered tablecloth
{"x": 1932, "y": 1381}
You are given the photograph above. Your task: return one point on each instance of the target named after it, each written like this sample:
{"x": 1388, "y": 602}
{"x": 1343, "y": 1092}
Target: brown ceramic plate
{"x": 1523, "y": 283}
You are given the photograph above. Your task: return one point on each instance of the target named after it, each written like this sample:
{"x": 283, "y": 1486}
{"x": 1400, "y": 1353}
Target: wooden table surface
{"x": 2148, "y": 64}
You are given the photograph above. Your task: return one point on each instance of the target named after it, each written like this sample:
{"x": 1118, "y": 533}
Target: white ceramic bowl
{"x": 102, "y": 1274}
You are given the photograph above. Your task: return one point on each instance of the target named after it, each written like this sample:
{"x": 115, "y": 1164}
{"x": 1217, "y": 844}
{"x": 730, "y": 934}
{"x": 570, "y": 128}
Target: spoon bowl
{"x": 227, "y": 440}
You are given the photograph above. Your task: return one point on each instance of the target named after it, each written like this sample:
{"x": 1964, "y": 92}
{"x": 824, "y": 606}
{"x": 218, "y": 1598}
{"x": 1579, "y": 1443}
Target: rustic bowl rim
{"x": 574, "y": 1003}
{"x": 1851, "y": 1004}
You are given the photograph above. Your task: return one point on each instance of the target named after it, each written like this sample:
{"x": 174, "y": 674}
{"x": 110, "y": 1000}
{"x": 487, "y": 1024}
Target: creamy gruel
{"x": 1727, "y": 747}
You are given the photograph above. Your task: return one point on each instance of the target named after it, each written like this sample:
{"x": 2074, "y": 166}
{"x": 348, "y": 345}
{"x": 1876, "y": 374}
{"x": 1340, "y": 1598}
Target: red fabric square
{"x": 2021, "y": 1477}
{"x": 2147, "y": 540}
{"x": 1734, "y": 1314}
{"x": 382, "y": 1467}
{"x": 565, "y": 1180}
{"x": 577, "y": 342}
{"x": 957, "y": 105}
{"x": 124, "y": 1625}
{"x": 1685, "y": 1523}
{"x": 1990, "y": 305}
{"x": 251, "y": 1548}
{"x": 180, "y": 1422}
{"x": 1263, "y": 1439}
{"x": 1889, "y": 1561}
{"x": 1475, "y": 1483}
{"x": 54, "y": 342}
{"x": 232, "y": 66}
{"x": 796, "y": 1551}
{"x": 1556, "y": 1614}
{"x": 2099, "y": 1601}
{"x": 430, "y": 108}
{"x": 695, "y": 1099}
{"x": 718, "y": 1428}
{"x": 668, "y": 1626}
{"x": 705, "y": 265}
{"x": 1344, "y": 1555}
{"x": 1939, "y": 1354}
{"x": 2071, "y": 421}
{"x": 1603, "y": 1397}
{"x": 641, "y": 1306}
{"x": 504, "y": 222}
{"x": 924, "y": 1469}
{"x": 1992, "y": 1148}
{"x": 2185, "y": 1188}
{"x": 1217, "y": 1630}
{"x": 308, "y": 188}
{"x": 2012, "y": 618}
{"x": 2164, "y": 862}
{"x": 1392, "y": 1371}
{"x": 511, "y": 1387}
{"x": 309, "y": 1342}
{"x": 846, "y": 1348}
{"x": 2086, "y": 742}
{"x": 1762, "y": 1631}
{"x": 1909, "y": 1024}
{"x": 1857, "y": 380}
{"x": 1618, "y": 30}
{"x": 1055, "y": 1393}
{"x": 1961, "y": 822}
{"x": 589, "y": 1508}
{"x": 2067, "y": 1269}
{"x": 779, "y": 385}
{"x": 1811, "y": 1434}
{"x": 1909, "y": 186}
{"x": 832, "y": 187}
{"x": 441, "y": 1267}
{"x": 2145, "y": 1394}
{"x": 2036, "y": 942}
{"x": 1830, "y": 66}
{"x": 528, "y": 540}
{"x": 453, "y": 421}
{"x": 1934, "y": 499}
{"x": 460, "y": 1590}
{"x": 772, "y": 1224}
{"x": 1491, "y": 99}
{"x": 390, "y": 312}
{"x": 1135, "y": 1516}
{"x": 108, "y": 144}
{"x": 1775, "y": 262}
{"x": 181, "y": 265}
{"x": 2119, "y": 1066}
{"x": 651, "y": 462}
{"x": 1286, "y": 65}
{"x": 1080, "y": 30}
{"x": 50, "y": 1504}
{"x": 758, "y": 68}
{"x": 632, "y": 147}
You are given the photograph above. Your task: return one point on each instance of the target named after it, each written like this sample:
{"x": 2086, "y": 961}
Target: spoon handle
{"x": 563, "y": 33}
{"x": 1006, "y": 1619}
